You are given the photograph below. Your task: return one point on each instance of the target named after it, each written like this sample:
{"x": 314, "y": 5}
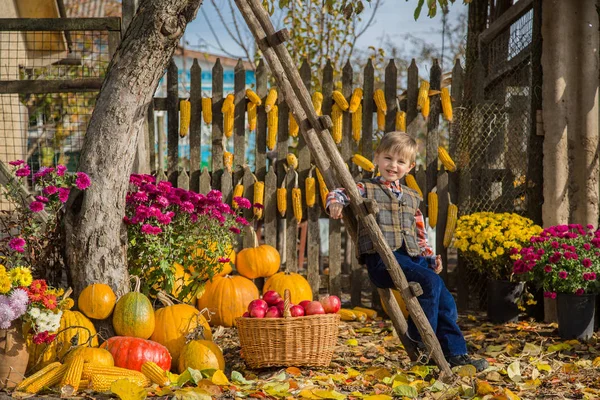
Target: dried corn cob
{"x": 228, "y": 160}
{"x": 360, "y": 316}
{"x": 446, "y": 159}
{"x": 346, "y": 315}
{"x": 185, "y": 112}
{"x": 272, "y": 127}
{"x": 292, "y": 161}
{"x": 380, "y": 103}
{"x": 380, "y": 120}
{"x": 207, "y": 110}
{"x": 103, "y": 383}
{"x": 69, "y": 384}
{"x": 310, "y": 189}
{"x": 317, "y": 100}
{"x": 357, "y": 124}
{"x": 446, "y": 104}
{"x": 340, "y": 100}
{"x": 293, "y": 127}
{"x": 238, "y": 191}
{"x": 450, "y": 222}
{"x": 282, "y": 198}
{"x": 425, "y": 109}
{"x": 412, "y": 183}
{"x": 432, "y": 207}
{"x": 401, "y": 121}
{"x": 228, "y": 123}
{"x": 90, "y": 369}
{"x": 155, "y": 373}
{"x": 251, "y": 109}
{"x": 423, "y": 94}
{"x": 27, "y": 381}
{"x": 228, "y": 104}
{"x": 336, "y": 118}
{"x": 355, "y": 100}
{"x": 297, "y": 200}
{"x": 259, "y": 198}
{"x": 363, "y": 163}
{"x": 253, "y": 97}
{"x": 51, "y": 378}
{"x": 371, "y": 314}
{"x": 323, "y": 191}
{"x": 270, "y": 100}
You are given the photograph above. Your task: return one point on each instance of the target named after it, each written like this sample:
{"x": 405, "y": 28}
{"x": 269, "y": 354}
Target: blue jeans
{"x": 436, "y": 301}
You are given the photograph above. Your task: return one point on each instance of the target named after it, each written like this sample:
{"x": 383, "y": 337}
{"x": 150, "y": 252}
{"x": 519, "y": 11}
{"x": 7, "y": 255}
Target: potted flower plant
{"x": 489, "y": 242}
{"x": 564, "y": 261}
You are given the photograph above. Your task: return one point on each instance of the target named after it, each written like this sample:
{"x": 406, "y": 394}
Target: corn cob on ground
{"x": 27, "y": 381}
{"x": 155, "y": 373}
{"x": 69, "y": 384}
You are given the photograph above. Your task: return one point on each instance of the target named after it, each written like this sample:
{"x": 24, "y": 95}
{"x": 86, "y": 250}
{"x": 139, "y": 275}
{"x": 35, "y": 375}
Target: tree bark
{"x": 95, "y": 237}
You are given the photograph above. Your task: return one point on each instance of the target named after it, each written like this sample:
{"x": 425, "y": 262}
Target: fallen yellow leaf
{"x": 484, "y": 388}
{"x": 219, "y": 378}
{"x": 378, "y": 397}
{"x": 127, "y": 390}
{"x": 465, "y": 370}
{"x": 352, "y": 342}
{"x": 293, "y": 371}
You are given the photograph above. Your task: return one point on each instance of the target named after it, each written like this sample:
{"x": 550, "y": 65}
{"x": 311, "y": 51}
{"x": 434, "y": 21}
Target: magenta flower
{"x": 258, "y": 206}
{"x": 563, "y": 274}
{"x": 36, "y": 206}
{"x": 42, "y": 199}
{"x": 50, "y": 190}
{"x": 187, "y": 206}
{"x": 60, "y": 170}
{"x": 63, "y": 194}
{"x": 16, "y": 163}
{"x": 83, "y": 181}
{"x": 21, "y": 172}
{"x": 548, "y": 268}
{"x": 586, "y": 262}
{"x": 42, "y": 172}
{"x": 140, "y": 196}
{"x": 224, "y": 260}
{"x": 242, "y": 202}
{"x": 150, "y": 229}
{"x": 580, "y": 292}
{"x": 235, "y": 230}
{"x": 17, "y": 244}
{"x": 241, "y": 221}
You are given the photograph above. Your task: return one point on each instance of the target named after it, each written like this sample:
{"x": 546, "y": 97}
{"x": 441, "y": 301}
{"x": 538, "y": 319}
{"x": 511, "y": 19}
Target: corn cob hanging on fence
{"x": 282, "y": 198}
{"x": 271, "y": 100}
{"x": 253, "y": 97}
{"x": 185, "y": 114}
{"x": 340, "y": 100}
{"x": 446, "y": 160}
{"x": 432, "y": 207}
{"x": 297, "y": 199}
{"x": 228, "y": 104}
{"x": 336, "y": 118}
{"x": 251, "y": 109}
{"x": 310, "y": 189}
{"x": 380, "y": 120}
{"x": 259, "y": 198}
{"x": 446, "y": 104}
{"x": 155, "y": 373}
{"x": 272, "y": 127}
{"x": 69, "y": 384}
{"x": 323, "y": 191}
{"x": 355, "y": 100}
{"x": 293, "y": 127}
{"x": 363, "y": 162}
{"x": 238, "y": 191}
{"x": 357, "y": 124}
{"x": 228, "y": 161}
{"x": 292, "y": 161}
{"x": 423, "y": 94}
{"x": 450, "y": 222}
{"x": 228, "y": 123}
{"x": 401, "y": 121}
{"x": 426, "y": 108}
{"x": 317, "y": 100}
{"x": 380, "y": 103}
{"x": 207, "y": 110}
{"x": 411, "y": 182}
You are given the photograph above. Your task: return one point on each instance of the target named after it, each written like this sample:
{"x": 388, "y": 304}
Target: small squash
{"x": 227, "y": 298}
{"x": 94, "y": 355}
{"x": 299, "y": 287}
{"x": 175, "y": 322}
{"x": 258, "y": 261}
{"x": 132, "y": 352}
{"x": 201, "y": 354}
{"x": 75, "y": 330}
{"x": 97, "y": 301}
{"x": 134, "y": 315}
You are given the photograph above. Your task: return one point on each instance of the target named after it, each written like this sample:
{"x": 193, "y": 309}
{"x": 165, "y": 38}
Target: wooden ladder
{"x": 315, "y": 130}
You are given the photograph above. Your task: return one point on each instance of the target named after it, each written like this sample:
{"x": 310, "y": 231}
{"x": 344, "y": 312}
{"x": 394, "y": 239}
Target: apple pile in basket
{"x": 272, "y": 305}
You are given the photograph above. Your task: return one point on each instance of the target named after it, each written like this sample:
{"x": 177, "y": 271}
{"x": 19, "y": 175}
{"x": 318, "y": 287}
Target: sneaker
{"x": 464, "y": 359}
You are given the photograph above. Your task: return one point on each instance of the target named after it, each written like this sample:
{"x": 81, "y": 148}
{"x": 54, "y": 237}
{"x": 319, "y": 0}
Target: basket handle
{"x": 286, "y": 303}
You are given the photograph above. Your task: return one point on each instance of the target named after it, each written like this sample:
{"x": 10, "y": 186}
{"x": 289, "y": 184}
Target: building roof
{"x": 211, "y": 58}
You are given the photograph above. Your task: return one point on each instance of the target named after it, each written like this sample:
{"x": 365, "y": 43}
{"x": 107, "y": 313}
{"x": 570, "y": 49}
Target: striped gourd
{"x": 155, "y": 373}
{"x": 355, "y": 100}
{"x": 253, "y": 97}
{"x": 228, "y": 104}
{"x": 446, "y": 104}
{"x": 259, "y": 198}
{"x": 228, "y": 160}
{"x": 49, "y": 379}
{"x": 357, "y": 124}
{"x": 380, "y": 103}
{"x": 207, "y": 110}
{"x": 340, "y": 100}
{"x": 27, "y": 381}
{"x": 251, "y": 109}
{"x": 293, "y": 127}
{"x": 69, "y": 384}
{"x": 401, "y": 121}
{"x": 380, "y": 120}
{"x": 317, "y": 101}
{"x": 432, "y": 207}
{"x": 412, "y": 183}
{"x": 336, "y": 118}
{"x": 310, "y": 189}
{"x": 446, "y": 160}
{"x": 270, "y": 100}
{"x": 272, "y": 127}
{"x": 450, "y": 222}
{"x": 228, "y": 123}
{"x": 185, "y": 113}
{"x": 362, "y": 162}
{"x": 423, "y": 94}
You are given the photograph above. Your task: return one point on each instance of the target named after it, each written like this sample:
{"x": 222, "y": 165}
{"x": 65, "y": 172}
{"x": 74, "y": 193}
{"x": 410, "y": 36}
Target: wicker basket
{"x": 287, "y": 341}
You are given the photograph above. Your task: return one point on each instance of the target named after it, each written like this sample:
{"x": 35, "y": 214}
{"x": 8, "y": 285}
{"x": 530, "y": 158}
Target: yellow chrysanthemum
{"x": 56, "y": 292}
{"x": 2, "y": 269}
{"x": 20, "y": 276}
{"x": 5, "y": 284}
{"x": 67, "y": 304}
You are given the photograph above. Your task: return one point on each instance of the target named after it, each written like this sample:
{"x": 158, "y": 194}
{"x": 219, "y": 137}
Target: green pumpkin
{"x": 134, "y": 315}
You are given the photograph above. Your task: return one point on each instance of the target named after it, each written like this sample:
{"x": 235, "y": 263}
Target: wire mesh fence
{"x": 493, "y": 129}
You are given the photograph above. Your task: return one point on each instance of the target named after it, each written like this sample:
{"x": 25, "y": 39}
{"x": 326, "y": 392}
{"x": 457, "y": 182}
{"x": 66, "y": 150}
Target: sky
{"x": 394, "y": 19}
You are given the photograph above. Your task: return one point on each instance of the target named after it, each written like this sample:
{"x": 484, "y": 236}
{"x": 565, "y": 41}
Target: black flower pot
{"x": 576, "y": 315}
{"x": 502, "y": 300}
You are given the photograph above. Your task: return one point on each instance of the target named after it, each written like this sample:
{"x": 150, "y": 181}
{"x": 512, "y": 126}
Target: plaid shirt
{"x": 339, "y": 196}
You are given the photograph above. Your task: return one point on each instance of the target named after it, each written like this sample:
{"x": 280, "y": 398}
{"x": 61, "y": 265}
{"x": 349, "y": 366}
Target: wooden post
{"x": 172, "y": 123}
{"x": 217, "y": 124}
{"x": 195, "y": 125}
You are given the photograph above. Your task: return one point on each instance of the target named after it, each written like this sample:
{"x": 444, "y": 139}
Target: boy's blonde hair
{"x": 399, "y": 143}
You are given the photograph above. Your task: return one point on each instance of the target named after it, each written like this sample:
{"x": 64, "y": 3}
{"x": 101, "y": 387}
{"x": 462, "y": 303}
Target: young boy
{"x": 402, "y": 224}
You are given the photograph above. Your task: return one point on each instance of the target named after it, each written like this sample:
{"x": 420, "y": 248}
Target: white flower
{"x": 34, "y": 312}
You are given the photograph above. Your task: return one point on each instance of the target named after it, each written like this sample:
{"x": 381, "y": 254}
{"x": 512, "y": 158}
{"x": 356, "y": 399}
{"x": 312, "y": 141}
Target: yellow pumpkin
{"x": 92, "y": 355}
{"x": 134, "y": 314}
{"x": 75, "y": 330}
{"x": 299, "y": 287}
{"x": 97, "y": 301}
{"x": 201, "y": 354}
{"x": 400, "y": 303}
{"x": 258, "y": 261}
{"x": 227, "y": 298}
{"x": 174, "y": 323}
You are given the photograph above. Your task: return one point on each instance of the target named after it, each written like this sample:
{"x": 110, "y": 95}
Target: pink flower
{"x": 150, "y": 229}
{"x": 50, "y": 190}
{"x": 586, "y": 246}
{"x": 242, "y": 202}
{"x": 580, "y": 292}
{"x": 563, "y": 274}
{"x": 23, "y": 171}
{"x": 36, "y": 206}
{"x": 16, "y": 163}
{"x": 41, "y": 199}
{"x": 586, "y": 262}
{"x": 63, "y": 194}
{"x": 548, "y": 268}
{"x": 187, "y": 206}
{"x": 258, "y": 206}
{"x": 140, "y": 196}
{"x": 42, "y": 172}
{"x": 17, "y": 244}
{"x": 241, "y": 221}
{"x": 550, "y": 295}
{"x": 224, "y": 260}
{"x": 235, "y": 230}
{"x": 60, "y": 170}
{"x": 83, "y": 181}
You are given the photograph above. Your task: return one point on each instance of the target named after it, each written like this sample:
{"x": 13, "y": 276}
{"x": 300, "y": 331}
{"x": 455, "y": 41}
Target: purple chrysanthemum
{"x": 60, "y": 170}
{"x": 36, "y": 206}
{"x": 21, "y": 172}
{"x": 17, "y": 244}
{"x": 83, "y": 181}
{"x": 50, "y": 190}
{"x": 63, "y": 194}
{"x": 16, "y": 163}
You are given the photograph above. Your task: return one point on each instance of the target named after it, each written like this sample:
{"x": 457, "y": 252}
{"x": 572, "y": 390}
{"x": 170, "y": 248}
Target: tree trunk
{"x": 95, "y": 244}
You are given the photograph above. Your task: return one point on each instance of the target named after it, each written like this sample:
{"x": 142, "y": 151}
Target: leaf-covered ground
{"x": 527, "y": 360}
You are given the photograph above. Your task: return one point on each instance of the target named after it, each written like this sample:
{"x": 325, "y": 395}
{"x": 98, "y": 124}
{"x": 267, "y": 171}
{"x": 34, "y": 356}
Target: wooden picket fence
{"x": 344, "y": 272}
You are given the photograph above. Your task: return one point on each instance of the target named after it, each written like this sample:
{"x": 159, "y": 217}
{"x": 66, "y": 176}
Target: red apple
{"x": 314, "y": 308}
{"x": 297, "y": 311}
{"x": 273, "y": 312}
{"x": 303, "y": 303}
{"x": 257, "y": 312}
{"x": 246, "y": 314}
{"x": 258, "y": 303}
{"x": 331, "y": 304}
{"x": 271, "y": 297}
{"x": 280, "y": 306}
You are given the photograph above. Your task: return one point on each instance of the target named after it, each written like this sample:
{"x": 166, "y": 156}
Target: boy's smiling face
{"x": 393, "y": 166}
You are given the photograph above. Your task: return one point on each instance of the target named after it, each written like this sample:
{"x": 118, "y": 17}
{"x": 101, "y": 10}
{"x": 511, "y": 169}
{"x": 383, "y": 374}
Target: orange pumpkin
{"x": 227, "y": 298}
{"x": 134, "y": 315}
{"x": 400, "y": 303}
{"x": 201, "y": 354}
{"x": 258, "y": 261}
{"x": 175, "y": 322}
{"x": 299, "y": 287}
{"x": 93, "y": 355}
{"x": 97, "y": 301}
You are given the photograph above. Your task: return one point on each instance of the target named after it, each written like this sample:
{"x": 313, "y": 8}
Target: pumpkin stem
{"x": 254, "y": 237}
{"x": 67, "y": 293}
{"x": 138, "y": 283}
{"x": 164, "y": 299}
